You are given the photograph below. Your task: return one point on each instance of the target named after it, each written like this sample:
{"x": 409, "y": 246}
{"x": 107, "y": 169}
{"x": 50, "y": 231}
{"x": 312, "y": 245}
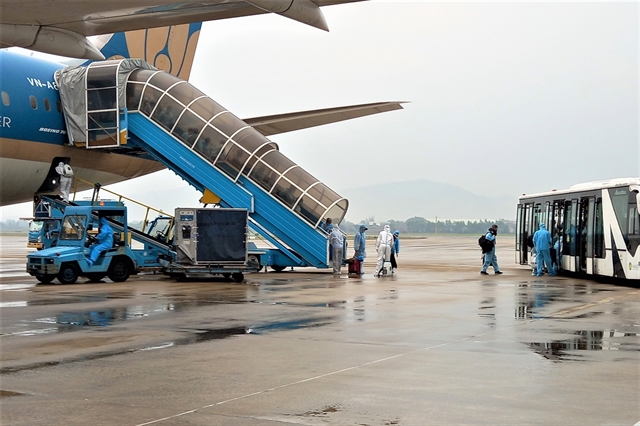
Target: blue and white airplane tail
{"x": 170, "y": 49}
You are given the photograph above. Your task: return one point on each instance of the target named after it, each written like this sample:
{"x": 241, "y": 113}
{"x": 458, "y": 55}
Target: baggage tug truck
{"x": 68, "y": 259}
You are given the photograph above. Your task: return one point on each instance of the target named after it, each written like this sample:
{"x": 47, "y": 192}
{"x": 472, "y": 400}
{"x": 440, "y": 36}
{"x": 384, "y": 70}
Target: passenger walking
{"x": 359, "y": 245}
{"x": 105, "y": 241}
{"x": 395, "y": 249}
{"x": 337, "y": 241}
{"x": 383, "y": 247}
{"x": 66, "y": 174}
{"x": 490, "y": 258}
{"x": 543, "y": 242}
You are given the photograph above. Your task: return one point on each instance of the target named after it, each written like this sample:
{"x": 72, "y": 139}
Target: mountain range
{"x": 427, "y": 199}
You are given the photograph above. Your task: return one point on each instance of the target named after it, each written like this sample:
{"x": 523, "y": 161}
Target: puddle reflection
{"x": 584, "y": 340}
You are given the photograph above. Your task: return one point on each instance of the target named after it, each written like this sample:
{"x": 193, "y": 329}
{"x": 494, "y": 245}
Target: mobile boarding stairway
{"x": 128, "y": 107}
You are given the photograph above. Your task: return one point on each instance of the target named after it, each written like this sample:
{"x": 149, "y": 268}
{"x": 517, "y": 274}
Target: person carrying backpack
{"x": 490, "y": 258}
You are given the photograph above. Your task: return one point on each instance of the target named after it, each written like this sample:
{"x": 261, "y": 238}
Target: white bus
{"x": 597, "y": 225}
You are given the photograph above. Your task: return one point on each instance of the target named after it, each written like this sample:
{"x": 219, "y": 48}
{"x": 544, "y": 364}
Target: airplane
{"x": 33, "y": 135}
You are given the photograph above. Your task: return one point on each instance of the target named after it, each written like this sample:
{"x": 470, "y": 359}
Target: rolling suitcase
{"x": 354, "y": 267}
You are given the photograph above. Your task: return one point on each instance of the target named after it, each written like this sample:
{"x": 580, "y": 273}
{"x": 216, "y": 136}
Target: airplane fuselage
{"x": 33, "y": 134}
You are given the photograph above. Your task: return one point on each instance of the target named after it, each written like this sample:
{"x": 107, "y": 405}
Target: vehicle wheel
{"x": 254, "y": 262}
{"x": 46, "y": 278}
{"x": 238, "y": 277}
{"x": 119, "y": 270}
{"x": 278, "y": 268}
{"x": 95, "y": 277}
{"x": 68, "y": 273}
{"x": 226, "y": 275}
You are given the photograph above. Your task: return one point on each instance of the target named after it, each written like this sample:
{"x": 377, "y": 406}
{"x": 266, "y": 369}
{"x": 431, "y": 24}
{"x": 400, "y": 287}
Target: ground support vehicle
{"x": 68, "y": 259}
{"x": 595, "y": 228}
{"x": 211, "y": 241}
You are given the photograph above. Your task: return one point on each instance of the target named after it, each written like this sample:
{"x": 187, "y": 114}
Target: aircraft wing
{"x": 44, "y": 24}
{"x": 282, "y": 123}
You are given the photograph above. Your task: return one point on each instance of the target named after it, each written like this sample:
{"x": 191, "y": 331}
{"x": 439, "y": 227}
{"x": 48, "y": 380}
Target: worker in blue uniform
{"x": 542, "y": 242}
{"x": 105, "y": 241}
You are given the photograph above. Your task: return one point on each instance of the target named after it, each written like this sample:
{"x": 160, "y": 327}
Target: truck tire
{"x": 68, "y": 273}
{"x": 45, "y": 278}
{"x": 119, "y": 270}
{"x": 237, "y": 277}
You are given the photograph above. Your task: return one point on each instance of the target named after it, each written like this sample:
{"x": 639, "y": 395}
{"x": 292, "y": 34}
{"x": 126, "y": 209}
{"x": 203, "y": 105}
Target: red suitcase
{"x": 354, "y": 267}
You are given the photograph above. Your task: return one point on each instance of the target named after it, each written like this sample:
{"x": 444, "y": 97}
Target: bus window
{"x": 620, "y": 201}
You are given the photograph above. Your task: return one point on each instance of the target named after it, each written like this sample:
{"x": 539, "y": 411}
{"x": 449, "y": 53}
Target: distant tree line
{"x": 420, "y": 225}
{"x": 14, "y": 225}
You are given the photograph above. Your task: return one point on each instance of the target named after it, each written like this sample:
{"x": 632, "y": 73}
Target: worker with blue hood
{"x": 105, "y": 241}
{"x": 395, "y": 250}
{"x": 359, "y": 245}
{"x": 543, "y": 242}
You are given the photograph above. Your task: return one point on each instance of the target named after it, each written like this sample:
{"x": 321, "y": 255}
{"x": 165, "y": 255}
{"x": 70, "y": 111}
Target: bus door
{"x": 523, "y": 223}
{"x": 586, "y": 239}
{"x": 569, "y": 238}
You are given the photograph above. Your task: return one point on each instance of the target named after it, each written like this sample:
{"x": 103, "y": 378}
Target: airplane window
{"x": 47, "y": 104}
{"x": 59, "y": 106}
{"x": 33, "y": 101}
{"x": 5, "y": 99}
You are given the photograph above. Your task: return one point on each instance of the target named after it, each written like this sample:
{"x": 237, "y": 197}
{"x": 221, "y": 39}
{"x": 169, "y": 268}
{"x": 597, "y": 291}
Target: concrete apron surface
{"x": 436, "y": 344}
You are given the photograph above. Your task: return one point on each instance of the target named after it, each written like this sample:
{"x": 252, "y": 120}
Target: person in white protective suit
{"x": 66, "y": 174}
{"x": 383, "y": 247}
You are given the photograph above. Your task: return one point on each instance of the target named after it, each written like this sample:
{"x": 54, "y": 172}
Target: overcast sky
{"x": 505, "y": 98}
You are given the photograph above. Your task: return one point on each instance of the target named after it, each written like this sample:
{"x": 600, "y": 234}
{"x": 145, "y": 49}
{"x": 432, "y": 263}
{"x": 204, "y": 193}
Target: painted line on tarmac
{"x": 334, "y": 373}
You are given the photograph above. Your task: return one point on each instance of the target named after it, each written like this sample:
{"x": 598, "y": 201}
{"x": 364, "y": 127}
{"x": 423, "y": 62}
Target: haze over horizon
{"x": 505, "y": 98}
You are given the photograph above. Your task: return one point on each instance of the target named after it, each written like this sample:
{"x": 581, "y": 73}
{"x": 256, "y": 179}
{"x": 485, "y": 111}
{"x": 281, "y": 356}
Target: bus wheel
{"x": 238, "y": 277}
{"x": 45, "y": 278}
{"x": 95, "y": 277}
{"x": 119, "y": 270}
{"x": 68, "y": 273}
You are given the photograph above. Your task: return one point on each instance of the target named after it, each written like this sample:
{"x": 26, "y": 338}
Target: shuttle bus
{"x": 595, "y": 226}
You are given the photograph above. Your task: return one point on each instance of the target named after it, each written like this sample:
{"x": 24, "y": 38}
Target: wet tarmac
{"x": 436, "y": 344}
